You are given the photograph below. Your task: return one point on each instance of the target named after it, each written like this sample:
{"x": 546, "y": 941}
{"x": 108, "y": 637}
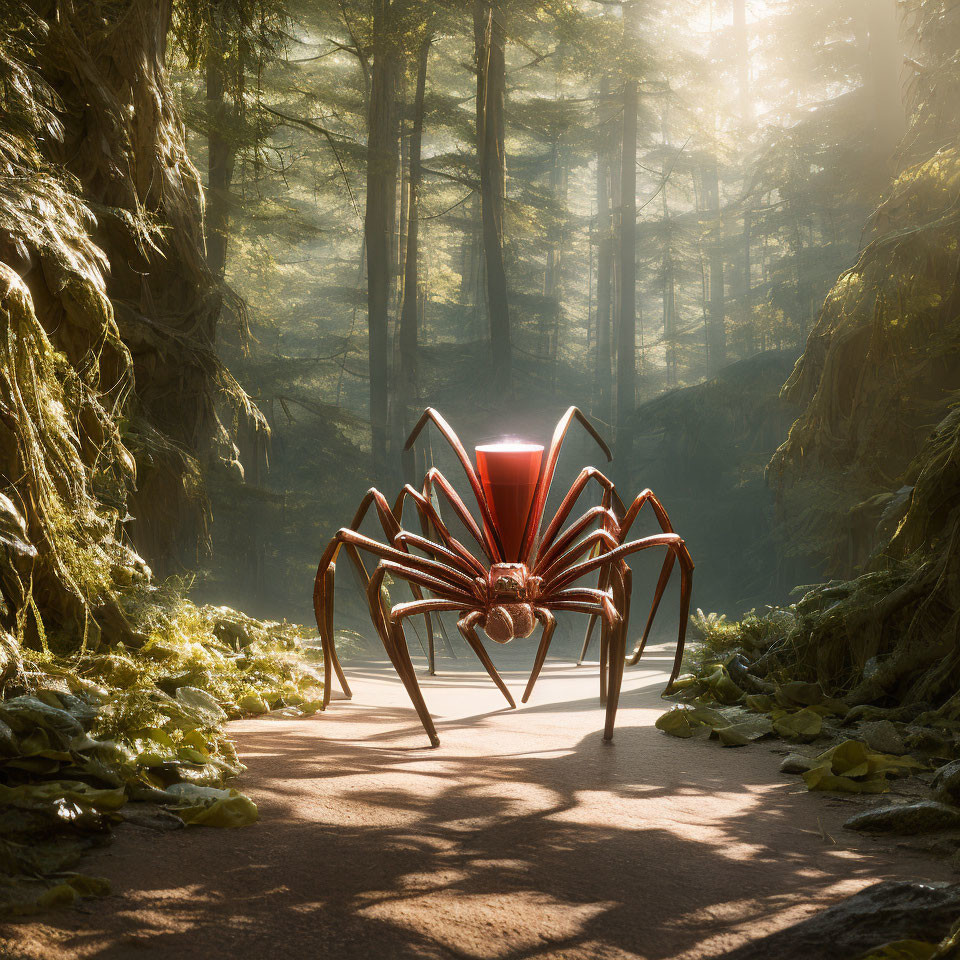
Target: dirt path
{"x": 523, "y": 835}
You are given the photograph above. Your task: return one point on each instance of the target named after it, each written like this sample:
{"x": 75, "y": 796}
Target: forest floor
{"x": 523, "y": 835}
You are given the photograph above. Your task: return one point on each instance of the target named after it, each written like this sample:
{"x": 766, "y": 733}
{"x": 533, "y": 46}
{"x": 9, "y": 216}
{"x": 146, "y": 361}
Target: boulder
{"x": 796, "y": 763}
{"x": 946, "y": 783}
{"x": 892, "y": 910}
{"x": 883, "y": 736}
{"x": 924, "y": 816}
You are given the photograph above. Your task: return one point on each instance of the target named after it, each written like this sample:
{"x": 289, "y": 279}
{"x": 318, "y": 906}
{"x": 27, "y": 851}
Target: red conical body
{"x": 509, "y": 474}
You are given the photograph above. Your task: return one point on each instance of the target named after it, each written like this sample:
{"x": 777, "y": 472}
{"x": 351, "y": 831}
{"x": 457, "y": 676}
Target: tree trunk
{"x": 490, "y": 39}
{"x": 124, "y": 142}
{"x": 379, "y": 223}
{"x": 410, "y": 314}
{"x": 603, "y": 373}
{"x": 220, "y": 152}
{"x": 882, "y": 67}
{"x": 669, "y": 294}
{"x": 627, "y": 341}
{"x": 741, "y": 40}
{"x": 716, "y": 330}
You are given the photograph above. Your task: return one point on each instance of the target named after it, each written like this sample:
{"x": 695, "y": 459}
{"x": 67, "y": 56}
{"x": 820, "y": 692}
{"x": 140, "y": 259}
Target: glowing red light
{"x": 509, "y": 473}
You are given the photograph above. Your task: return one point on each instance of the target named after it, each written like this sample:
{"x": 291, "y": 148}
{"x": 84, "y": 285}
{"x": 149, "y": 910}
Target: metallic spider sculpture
{"x": 511, "y": 588}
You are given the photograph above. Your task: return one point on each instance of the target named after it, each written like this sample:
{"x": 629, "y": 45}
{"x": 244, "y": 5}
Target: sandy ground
{"x": 523, "y": 835}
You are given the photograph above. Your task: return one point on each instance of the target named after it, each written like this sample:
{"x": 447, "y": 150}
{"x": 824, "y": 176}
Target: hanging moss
{"x": 112, "y": 689}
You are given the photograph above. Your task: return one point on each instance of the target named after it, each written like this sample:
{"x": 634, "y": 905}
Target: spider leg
{"x": 599, "y": 538}
{"x": 430, "y": 517}
{"x": 673, "y": 543}
{"x": 547, "y": 469}
{"x": 597, "y": 603}
{"x": 434, "y": 478}
{"x": 323, "y": 591}
{"x": 453, "y": 580}
{"x": 428, "y": 546}
{"x": 442, "y": 588}
{"x": 323, "y": 587}
{"x": 613, "y": 640}
{"x": 468, "y": 629}
{"x": 610, "y": 501}
{"x": 561, "y": 543}
{"x": 648, "y": 496}
{"x": 616, "y": 629}
{"x": 549, "y": 622}
{"x": 490, "y": 535}
{"x": 569, "y": 502}
{"x": 391, "y": 633}
{"x": 391, "y": 527}
{"x": 464, "y": 601}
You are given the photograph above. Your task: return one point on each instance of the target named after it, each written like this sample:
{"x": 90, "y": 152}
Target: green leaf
{"x": 742, "y": 733}
{"x": 820, "y": 778}
{"x": 61, "y": 895}
{"x": 87, "y": 886}
{"x": 252, "y": 703}
{"x": 805, "y": 725}
{"x": 679, "y": 722}
{"x": 760, "y": 702}
{"x": 201, "y": 706}
{"x": 233, "y": 811}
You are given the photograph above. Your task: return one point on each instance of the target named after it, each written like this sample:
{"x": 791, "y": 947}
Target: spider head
{"x": 508, "y": 588}
{"x": 508, "y": 582}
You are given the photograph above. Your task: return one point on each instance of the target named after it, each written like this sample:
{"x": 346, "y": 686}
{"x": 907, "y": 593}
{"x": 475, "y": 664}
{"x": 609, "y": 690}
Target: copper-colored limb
{"x": 435, "y": 478}
{"x": 324, "y": 586}
{"x": 644, "y": 497}
{"x": 430, "y": 516}
{"x": 324, "y": 616}
{"x": 410, "y": 609}
{"x": 546, "y": 557}
{"x": 598, "y": 537}
{"x": 673, "y": 543}
{"x": 570, "y": 501}
{"x": 547, "y": 548}
{"x": 670, "y": 540}
{"x": 686, "y": 583}
{"x": 440, "y": 587}
{"x": 428, "y": 546}
{"x": 467, "y": 628}
{"x": 491, "y": 537}
{"x": 422, "y": 564}
{"x": 665, "y": 571}
{"x": 549, "y": 622}
{"x": 618, "y": 641}
{"x": 396, "y": 647}
{"x": 391, "y": 528}
{"x": 547, "y": 469}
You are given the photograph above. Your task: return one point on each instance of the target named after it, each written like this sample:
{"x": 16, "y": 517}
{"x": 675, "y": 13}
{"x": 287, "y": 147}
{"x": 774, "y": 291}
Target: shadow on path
{"x": 523, "y": 836}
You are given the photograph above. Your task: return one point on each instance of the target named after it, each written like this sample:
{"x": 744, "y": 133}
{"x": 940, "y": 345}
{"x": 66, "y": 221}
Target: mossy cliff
{"x": 113, "y": 688}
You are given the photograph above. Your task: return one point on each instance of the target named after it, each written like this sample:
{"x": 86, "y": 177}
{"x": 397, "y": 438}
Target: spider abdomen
{"x": 509, "y": 621}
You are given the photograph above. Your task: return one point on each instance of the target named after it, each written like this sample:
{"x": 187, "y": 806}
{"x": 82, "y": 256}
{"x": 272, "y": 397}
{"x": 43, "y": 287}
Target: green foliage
{"x": 92, "y": 738}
